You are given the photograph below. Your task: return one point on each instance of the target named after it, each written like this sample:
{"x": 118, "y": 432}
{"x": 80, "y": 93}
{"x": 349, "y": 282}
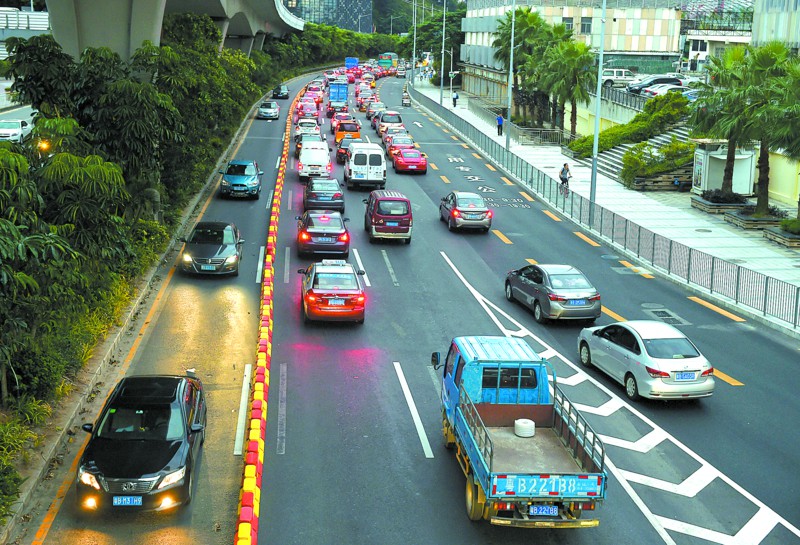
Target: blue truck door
{"x": 450, "y": 383}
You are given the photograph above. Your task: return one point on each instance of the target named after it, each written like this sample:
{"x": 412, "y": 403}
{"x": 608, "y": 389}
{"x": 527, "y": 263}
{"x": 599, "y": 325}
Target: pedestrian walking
{"x": 499, "y": 125}
{"x": 455, "y": 98}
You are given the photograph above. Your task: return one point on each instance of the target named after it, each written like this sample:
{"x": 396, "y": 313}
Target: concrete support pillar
{"x": 243, "y": 43}
{"x": 120, "y": 25}
{"x": 223, "y": 28}
{"x": 258, "y": 44}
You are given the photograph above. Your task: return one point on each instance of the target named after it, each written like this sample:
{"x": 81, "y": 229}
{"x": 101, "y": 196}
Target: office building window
{"x": 586, "y": 25}
{"x": 568, "y": 23}
{"x": 699, "y": 45}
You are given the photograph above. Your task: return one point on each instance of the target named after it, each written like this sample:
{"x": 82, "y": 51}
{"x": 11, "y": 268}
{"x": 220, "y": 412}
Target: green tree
{"x": 570, "y": 75}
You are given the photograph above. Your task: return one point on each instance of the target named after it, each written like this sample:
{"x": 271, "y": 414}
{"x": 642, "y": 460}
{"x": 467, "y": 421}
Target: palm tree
{"x": 726, "y": 72}
{"x": 788, "y": 131}
{"x": 570, "y": 75}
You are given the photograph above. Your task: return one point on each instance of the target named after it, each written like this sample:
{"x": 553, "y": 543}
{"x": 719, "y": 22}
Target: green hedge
{"x": 658, "y": 115}
{"x": 644, "y": 160}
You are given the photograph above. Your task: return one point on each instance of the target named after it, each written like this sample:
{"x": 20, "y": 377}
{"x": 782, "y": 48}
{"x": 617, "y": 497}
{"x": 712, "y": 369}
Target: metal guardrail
{"x": 576, "y": 432}
{"x": 623, "y": 98}
{"x": 24, "y": 20}
{"x": 488, "y": 110}
{"x": 761, "y": 293}
{"x": 476, "y": 426}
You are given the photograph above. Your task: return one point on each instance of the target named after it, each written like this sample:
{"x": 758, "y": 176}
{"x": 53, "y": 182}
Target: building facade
{"x": 355, "y": 15}
{"x": 777, "y": 20}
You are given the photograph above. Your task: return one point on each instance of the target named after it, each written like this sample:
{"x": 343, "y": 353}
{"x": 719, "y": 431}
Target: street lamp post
{"x": 441, "y": 66}
{"x": 391, "y": 20}
{"x": 414, "y": 47}
{"x": 359, "y": 20}
{"x": 511, "y": 72}
{"x": 597, "y": 111}
{"x": 451, "y": 72}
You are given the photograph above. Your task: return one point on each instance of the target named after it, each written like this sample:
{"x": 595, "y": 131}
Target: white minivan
{"x": 365, "y": 165}
{"x": 314, "y": 160}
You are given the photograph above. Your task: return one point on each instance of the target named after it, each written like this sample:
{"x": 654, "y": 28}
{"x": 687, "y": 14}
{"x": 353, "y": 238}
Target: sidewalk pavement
{"x": 668, "y": 214}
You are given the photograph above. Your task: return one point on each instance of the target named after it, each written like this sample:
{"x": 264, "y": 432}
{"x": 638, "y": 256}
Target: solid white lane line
{"x": 281, "y": 441}
{"x": 287, "y": 263}
{"x": 241, "y": 421}
{"x": 391, "y": 270}
{"x": 289, "y": 201}
{"x": 423, "y": 438}
{"x": 260, "y": 268}
{"x": 361, "y": 266}
{"x": 269, "y": 201}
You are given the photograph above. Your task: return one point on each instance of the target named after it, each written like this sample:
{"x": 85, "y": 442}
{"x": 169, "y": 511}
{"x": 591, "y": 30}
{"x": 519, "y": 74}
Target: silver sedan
{"x": 465, "y": 210}
{"x": 554, "y": 292}
{"x": 651, "y": 359}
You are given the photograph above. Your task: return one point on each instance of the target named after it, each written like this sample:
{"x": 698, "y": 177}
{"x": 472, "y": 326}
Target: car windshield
{"x": 211, "y": 235}
{"x": 143, "y": 423}
{"x": 345, "y": 143}
{"x": 326, "y": 223}
{"x": 471, "y": 202}
{"x": 393, "y": 208}
{"x": 401, "y": 140}
{"x": 376, "y": 105}
{"x": 241, "y": 170}
{"x": 569, "y": 281}
{"x": 669, "y": 349}
{"x": 269, "y": 105}
{"x": 391, "y": 118}
{"x": 330, "y": 280}
{"x": 348, "y": 127}
{"x": 409, "y": 154}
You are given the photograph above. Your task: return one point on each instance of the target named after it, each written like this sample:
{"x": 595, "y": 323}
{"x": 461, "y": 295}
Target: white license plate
{"x": 315, "y": 169}
{"x": 544, "y": 510}
{"x": 336, "y": 302}
{"x": 685, "y": 376}
{"x": 324, "y": 239}
{"x": 411, "y": 167}
{"x": 125, "y": 501}
{"x": 208, "y": 268}
{"x": 577, "y": 302}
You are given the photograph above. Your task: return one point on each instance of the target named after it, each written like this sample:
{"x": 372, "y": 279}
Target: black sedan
{"x": 636, "y": 87}
{"x": 322, "y": 232}
{"x": 213, "y": 247}
{"x": 281, "y": 91}
{"x": 145, "y": 446}
{"x": 323, "y": 194}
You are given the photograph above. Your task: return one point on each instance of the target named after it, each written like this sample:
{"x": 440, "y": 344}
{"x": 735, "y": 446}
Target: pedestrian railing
{"x": 764, "y": 294}
{"x": 623, "y": 98}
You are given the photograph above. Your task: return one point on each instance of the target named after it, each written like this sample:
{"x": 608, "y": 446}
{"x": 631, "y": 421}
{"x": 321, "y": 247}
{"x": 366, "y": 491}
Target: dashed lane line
{"x": 526, "y": 196}
{"x": 551, "y": 215}
{"x": 586, "y": 239}
{"x": 716, "y": 309}
{"x": 444, "y": 179}
{"x": 501, "y": 236}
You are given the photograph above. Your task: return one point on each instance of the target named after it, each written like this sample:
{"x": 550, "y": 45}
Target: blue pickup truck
{"x": 530, "y": 458}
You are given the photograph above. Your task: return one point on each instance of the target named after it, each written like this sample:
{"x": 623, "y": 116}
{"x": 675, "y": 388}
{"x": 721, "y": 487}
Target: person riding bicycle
{"x": 564, "y": 176}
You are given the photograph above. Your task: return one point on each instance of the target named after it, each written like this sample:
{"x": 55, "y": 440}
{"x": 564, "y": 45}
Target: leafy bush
{"x": 644, "y": 160}
{"x": 658, "y": 115}
{"x": 720, "y": 197}
{"x": 32, "y": 411}
{"x": 791, "y": 226}
{"x": 774, "y": 212}
{"x": 10, "y": 481}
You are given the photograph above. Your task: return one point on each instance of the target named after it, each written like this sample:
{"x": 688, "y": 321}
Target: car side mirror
{"x": 298, "y": 217}
{"x": 444, "y": 199}
{"x": 222, "y": 172}
{"x": 597, "y": 332}
{"x": 88, "y": 428}
{"x": 197, "y": 428}
{"x": 436, "y": 358}
{"x": 183, "y": 239}
{"x": 345, "y": 219}
{"x": 240, "y": 241}
{"x": 260, "y": 172}
{"x": 24, "y": 123}
{"x": 364, "y": 201}
{"x": 361, "y": 273}
{"x": 301, "y": 271}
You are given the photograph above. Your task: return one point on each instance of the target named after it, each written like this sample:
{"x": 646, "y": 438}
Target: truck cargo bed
{"x": 542, "y": 453}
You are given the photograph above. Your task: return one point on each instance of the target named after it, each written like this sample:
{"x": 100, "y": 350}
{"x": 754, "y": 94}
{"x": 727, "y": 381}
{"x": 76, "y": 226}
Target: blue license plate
{"x": 544, "y": 511}
{"x": 324, "y": 198}
{"x": 324, "y": 239}
{"x": 577, "y": 302}
{"x": 359, "y": 175}
{"x": 126, "y": 501}
{"x": 392, "y": 223}
{"x": 208, "y": 268}
{"x": 685, "y": 376}
{"x": 336, "y": 302}
{"x": 471, "y": 216}
{"x": 412, "y": 166}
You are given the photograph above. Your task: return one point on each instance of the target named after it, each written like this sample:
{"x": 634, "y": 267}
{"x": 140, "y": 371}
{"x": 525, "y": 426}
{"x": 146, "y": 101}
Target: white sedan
{"x": 16, "y": 130}
{"x": 650, "y": 358}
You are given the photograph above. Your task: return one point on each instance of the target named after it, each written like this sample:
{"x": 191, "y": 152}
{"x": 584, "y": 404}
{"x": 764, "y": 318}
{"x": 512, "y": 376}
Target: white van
{"x": 365, "y": 165}
{"x": 314, "y": 160}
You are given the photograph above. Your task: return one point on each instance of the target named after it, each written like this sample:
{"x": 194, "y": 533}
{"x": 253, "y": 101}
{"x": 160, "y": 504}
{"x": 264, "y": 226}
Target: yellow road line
{"x": 585, "y": 238}
{"x": 438, "y": 124}
{"x": 465, "y": 146}
{"x": 434, "y": 167}
{"x": 532, "y": 261}
{"x": 476, "y": 156}
{"x": 727, "y": 378}
{"x": 526, "y": 196}
{"x": 445, "y": 130}
{"x": 551, "y": 215}
{"x": 501, "y": 236}
{"x": 506, "y": 180}
{"x": 612, "y": 314}
{"x": 444, "y": 179}
{"x": 716, "y": 309}
{"x": 637, "y": 270}
{"x": 490, "y": 167}
{"x": 454, "y": 137}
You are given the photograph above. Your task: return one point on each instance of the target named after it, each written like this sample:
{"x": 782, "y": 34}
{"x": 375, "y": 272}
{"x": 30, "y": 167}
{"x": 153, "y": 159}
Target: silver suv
{"x": 617, "y": 77}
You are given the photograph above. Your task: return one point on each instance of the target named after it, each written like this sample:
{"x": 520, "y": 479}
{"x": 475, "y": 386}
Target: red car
{"x": 332, "y": 290}
{"x": 410, "y": 160}
{"x": 399, "y": 142}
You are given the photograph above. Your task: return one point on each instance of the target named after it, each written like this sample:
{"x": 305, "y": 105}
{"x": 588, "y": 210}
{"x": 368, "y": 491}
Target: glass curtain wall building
{"x": 355, "y": 15}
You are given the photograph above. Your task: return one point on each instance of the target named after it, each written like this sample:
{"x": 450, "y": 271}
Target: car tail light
{"x": 304, "y": 236}
{"x": 708, "y": 372}
{"x": 489, "y": 214}
{"x": 344, "y": 237}
{"x": 299, "y": 165}
{"x": 655, "y": 373}
{"x": 310, "y": 297}
{"x": 455, "y": 213}
{"x": 360, "y": 299}
{"x": 594, "y": 297}
{"x": 330, "y": 167}
{"x": 556, "y": 297}
{"x": 337, "y": 195}
{"x": 504, "y": 506}
{"x": 588, "y": 506}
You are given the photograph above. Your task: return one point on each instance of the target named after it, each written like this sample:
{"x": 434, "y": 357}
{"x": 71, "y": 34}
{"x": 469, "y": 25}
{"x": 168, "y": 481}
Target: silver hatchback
{"x": 268, "y": 110}
{"x": 554, "y": 292}
{"x": 650, "y": 358}
{"x": 465, "y": 210}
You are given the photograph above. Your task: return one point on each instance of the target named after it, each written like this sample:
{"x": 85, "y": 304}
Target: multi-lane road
{"x": 354, "y": 451}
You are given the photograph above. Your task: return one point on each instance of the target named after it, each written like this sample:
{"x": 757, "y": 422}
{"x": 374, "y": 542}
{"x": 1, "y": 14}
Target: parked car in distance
{"x": 268, "y": 110}
{"x": 410, "y": 160}
{"x": 323, "y": 194}
{"x": 650, "y": 358}
{"x": 322, "y": 232}
{"x": 332, "y": 290}
{"x": 145, "y": 446}
{"x": 661, "y": 88}
{"x": 281, "y": 91}
{"x": 463, "y": 209}
{"x": 554, "y": 292}
{"x": 691, "y": 94}
{"x": 15, "y": 130}
{"x": 213, "y": 247}
{"x": 636, "y": 87}
{"x": 617, "y": 77}
{"x": 241, "y": 178}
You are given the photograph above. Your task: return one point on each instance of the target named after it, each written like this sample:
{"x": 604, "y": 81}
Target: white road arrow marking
{"x": 418, "y": 124}
{"x": 485, "y": 189}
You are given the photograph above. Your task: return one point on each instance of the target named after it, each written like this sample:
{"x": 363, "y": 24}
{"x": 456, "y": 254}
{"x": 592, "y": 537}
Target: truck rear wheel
{"x": 474, "y": 505}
